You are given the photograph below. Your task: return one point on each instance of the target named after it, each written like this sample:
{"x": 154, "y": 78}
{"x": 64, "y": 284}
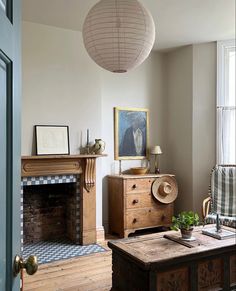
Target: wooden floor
{"x": 87, "y": 273}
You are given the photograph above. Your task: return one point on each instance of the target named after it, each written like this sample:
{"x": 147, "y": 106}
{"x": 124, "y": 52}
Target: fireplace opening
{"x": 50, "y": 218}
{"x": 50, "y": 212}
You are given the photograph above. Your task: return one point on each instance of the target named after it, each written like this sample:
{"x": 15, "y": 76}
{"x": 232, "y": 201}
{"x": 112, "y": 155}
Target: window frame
{"x": 222, "y": 49}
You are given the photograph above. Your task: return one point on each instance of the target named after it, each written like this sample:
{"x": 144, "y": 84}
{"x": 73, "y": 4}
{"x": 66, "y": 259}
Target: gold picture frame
{"x": 131, "y": 133}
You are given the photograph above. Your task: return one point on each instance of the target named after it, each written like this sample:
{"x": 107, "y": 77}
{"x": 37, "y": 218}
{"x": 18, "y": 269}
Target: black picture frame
{"x": 52, "y": 140}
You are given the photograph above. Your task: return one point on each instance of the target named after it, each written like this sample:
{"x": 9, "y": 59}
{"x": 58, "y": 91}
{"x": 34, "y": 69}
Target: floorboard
{"x": 87, "y": 273}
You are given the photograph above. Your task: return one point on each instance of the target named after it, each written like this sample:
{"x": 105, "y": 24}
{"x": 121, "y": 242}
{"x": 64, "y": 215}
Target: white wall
{"x": 179, "y": 124}
{"x": 191, "y": 94}
{"x": 62, "y": 85}
{"x": 204, "y": 119}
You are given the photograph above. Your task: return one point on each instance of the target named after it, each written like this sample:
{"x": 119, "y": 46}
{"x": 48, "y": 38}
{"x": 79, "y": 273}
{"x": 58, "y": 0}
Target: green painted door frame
{"x": 10, "y": 131}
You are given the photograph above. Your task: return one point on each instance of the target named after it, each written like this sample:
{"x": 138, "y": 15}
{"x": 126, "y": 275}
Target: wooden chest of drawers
{"x": 132, "y": 205}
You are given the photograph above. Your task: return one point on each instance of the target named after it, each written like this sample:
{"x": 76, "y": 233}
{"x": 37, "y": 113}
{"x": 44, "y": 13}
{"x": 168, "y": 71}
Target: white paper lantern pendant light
{"x": 118, "y": 34}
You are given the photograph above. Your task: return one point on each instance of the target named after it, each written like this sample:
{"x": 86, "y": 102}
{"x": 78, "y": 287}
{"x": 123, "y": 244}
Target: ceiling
{"x": 178, "y": 22}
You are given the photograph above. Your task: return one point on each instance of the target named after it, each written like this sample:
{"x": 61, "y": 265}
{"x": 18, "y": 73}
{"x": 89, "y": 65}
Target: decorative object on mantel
{"x": 118, "y": 34}
{"x": 52, "y": 139}
{"x": 185, "y": 221}
{"x": 156, "y": 151}
{"x": 87, "y": 143}
{"x": 99, "y": 146}
{"x": 131, "y": 133}
{"x": 165, "y": 189}
{"x": 89, "y": 148}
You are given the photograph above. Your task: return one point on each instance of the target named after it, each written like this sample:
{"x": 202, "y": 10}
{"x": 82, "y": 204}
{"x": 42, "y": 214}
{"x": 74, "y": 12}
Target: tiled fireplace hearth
{"x": 58, "y": 198}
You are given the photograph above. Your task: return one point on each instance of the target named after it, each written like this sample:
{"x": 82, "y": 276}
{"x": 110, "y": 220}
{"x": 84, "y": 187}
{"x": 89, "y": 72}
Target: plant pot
{"x": 186, "y": 233}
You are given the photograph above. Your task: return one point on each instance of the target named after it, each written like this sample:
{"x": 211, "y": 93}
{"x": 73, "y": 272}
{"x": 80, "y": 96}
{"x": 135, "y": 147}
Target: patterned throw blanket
{"x": 223, "y": 193}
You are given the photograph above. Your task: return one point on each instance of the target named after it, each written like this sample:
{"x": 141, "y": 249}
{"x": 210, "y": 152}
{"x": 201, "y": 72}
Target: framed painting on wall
{"x": 52, "y": 139}
{"x": 131, "y": 133}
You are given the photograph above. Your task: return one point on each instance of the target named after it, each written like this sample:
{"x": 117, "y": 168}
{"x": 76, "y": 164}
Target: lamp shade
{"x": 118, "y": 34}
{"x": 156, "y": 150}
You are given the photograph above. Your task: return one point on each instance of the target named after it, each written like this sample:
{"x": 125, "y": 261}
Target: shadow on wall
{"x": 105, "y": 210}
{"x": 33, "y": 149}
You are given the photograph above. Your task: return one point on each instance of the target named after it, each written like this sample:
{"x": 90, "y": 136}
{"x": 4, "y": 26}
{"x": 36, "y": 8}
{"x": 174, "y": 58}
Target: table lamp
{"x": 156, "y": 151}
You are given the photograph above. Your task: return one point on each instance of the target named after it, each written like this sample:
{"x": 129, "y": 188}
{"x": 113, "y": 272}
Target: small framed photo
{"x": 131, "y": 133}
{"x": 52, "y": 139}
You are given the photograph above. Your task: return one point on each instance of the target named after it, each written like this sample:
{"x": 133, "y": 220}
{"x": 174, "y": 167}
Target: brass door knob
{"x": 30, "y": 265}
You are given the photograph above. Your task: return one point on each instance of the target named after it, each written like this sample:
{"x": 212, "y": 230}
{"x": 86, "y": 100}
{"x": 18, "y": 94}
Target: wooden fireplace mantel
{"x": 83, "y": 165}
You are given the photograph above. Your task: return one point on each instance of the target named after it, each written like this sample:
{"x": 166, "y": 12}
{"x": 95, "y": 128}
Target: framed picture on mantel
{"x": 52, "y": 140}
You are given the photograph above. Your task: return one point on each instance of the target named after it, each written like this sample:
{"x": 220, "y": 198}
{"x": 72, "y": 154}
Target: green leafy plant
{"x": 185, "y": 220}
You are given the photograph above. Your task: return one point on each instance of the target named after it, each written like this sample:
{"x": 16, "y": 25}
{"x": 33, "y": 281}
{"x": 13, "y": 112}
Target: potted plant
{"x": 185, "y": 221}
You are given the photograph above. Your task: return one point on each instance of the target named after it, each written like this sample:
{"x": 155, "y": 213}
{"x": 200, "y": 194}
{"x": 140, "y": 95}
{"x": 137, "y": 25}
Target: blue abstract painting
{"x": 132, "y": 132}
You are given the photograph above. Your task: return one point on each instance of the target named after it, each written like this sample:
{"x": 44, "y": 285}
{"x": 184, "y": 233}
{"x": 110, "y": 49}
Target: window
{"x": 226, "y": 103}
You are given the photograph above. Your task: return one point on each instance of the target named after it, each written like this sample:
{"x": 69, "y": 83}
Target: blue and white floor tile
{"x": 50, "y": 251}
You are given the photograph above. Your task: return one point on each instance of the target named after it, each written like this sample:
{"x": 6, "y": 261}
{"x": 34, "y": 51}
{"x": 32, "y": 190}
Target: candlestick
{"x": 81, "y": 139}
{"x": 120, "y": 171}
{"x": 87, "y": 137}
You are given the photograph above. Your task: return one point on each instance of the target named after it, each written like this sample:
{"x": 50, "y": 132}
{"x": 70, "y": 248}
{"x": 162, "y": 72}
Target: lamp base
{"x": 157, "y": 171}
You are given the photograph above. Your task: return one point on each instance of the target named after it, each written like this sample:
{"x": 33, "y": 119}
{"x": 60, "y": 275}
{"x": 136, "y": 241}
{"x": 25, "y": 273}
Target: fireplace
{"x": 58, "y": 198}
{"x": 51, "y": 208}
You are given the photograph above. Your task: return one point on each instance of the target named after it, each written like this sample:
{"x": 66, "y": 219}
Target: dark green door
{"x": 10, "y": 91}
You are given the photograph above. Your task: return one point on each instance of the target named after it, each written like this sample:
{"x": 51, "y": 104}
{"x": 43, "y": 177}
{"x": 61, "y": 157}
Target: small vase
{"x": 99, "y": 146}
{"x": 186, "y": 233}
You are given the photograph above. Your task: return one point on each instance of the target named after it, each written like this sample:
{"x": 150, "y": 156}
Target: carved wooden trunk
{"x": 132, "y": 205}
{"x": 153, "y": 262}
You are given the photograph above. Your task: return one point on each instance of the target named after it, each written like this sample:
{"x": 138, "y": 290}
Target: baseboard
{"x": 100, "y": 234}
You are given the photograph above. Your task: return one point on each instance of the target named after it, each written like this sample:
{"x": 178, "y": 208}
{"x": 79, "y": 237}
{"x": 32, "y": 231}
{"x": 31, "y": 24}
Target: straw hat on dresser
{"x": 165, "y": 189}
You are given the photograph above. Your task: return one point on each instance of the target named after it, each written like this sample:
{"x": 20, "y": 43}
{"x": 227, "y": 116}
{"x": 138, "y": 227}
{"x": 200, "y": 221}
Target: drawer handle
{"x": 135, "y": 201}
{"x": 135, "y": 220}
{"x": 163, "y": 217}
{"x": 134, "y": 186}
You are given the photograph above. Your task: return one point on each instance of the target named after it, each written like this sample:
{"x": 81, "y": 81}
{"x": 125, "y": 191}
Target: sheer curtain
{"x": 226, "y": 103}
{"x": 226, "y": 132}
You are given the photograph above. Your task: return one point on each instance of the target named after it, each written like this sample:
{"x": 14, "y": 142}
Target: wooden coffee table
{"x": 153, "y": 262}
